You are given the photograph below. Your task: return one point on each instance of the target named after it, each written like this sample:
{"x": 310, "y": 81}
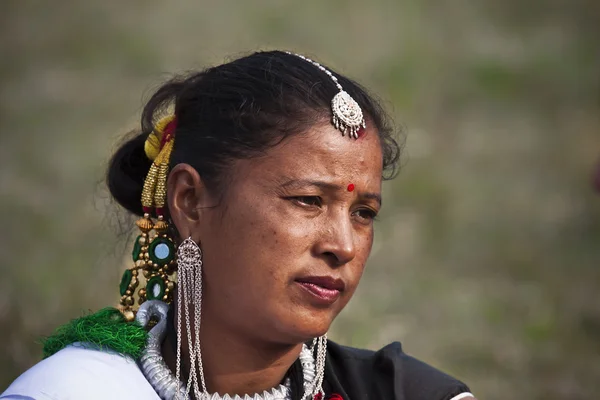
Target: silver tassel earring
{"x": 189, "y": 295}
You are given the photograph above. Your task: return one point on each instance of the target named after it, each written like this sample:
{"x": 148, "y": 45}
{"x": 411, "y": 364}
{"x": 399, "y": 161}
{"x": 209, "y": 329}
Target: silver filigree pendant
{"x": 347, "y": 115}
{"x": 189, "y": 254}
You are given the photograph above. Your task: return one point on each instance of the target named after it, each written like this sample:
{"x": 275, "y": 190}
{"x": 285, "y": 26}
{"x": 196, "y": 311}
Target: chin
{"x": 308, "y": 325}
{"x": 313, "y": 332}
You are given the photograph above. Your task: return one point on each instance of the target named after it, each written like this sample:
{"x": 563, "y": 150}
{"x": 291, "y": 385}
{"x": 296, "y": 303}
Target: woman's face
{"x": 286, "y": 245}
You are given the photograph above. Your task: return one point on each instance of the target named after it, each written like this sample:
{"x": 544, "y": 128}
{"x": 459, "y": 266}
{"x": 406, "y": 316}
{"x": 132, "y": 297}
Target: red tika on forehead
{"x": 351, "y": 187}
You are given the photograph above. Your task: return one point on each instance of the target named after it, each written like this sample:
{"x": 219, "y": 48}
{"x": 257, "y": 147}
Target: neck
{"x": 234, "y": 363}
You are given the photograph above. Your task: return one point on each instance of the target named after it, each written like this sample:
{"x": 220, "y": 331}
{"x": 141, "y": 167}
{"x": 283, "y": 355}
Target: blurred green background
{"x": 487, "y": 256}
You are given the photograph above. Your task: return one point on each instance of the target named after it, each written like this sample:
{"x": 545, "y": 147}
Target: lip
{"x": 323, "y": 290}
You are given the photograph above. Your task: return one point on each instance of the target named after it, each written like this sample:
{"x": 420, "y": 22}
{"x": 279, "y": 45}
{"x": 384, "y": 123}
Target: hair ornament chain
{"x": 347, "y": 114}
{"x": 154, "y": 251}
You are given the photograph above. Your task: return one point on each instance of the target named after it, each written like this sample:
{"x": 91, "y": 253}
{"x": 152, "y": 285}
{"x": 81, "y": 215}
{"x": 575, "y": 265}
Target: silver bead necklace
{"x": 168, "y": 387}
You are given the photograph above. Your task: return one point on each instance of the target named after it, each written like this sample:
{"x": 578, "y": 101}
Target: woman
{"x": 266, "y": 172}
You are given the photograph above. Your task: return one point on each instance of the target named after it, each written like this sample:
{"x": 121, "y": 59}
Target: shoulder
{"x": 81, "y": 372}
{"x": 391, "y": 373}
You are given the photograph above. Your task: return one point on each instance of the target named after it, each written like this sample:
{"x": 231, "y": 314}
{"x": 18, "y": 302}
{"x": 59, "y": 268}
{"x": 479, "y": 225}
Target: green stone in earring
{"x": 125, "y": 281}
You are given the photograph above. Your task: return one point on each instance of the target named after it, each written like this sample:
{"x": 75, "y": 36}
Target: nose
{"x": 336, "y": 243}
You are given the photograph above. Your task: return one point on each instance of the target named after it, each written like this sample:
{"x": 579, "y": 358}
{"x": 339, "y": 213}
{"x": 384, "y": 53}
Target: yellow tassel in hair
{"x": 152, "y": 145}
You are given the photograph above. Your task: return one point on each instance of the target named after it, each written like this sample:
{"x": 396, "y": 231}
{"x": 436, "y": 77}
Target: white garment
{"x": 81, "y": 372}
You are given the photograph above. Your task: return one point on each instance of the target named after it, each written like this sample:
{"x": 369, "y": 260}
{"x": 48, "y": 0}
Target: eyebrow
{"x": 302, "y": 183}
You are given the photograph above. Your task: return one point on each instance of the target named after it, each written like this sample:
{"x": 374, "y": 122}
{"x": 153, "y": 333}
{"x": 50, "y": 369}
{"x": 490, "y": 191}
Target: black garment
{"x": 388, "y": 374}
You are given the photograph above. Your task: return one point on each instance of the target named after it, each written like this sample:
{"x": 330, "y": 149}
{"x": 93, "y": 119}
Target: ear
{"x": 187, "y": 197}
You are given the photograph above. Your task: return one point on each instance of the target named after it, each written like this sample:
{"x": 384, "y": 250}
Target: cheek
{"x": 279, "y": 230}
{"x": 252, "y": 245}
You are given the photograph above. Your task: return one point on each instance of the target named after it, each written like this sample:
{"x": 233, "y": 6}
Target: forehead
{"x": 324, "y": 153}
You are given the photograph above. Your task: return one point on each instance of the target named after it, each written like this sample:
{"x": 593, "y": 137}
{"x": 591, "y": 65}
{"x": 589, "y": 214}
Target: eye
{"x": 307, "y": 201}
{"x": 365, "y": 215}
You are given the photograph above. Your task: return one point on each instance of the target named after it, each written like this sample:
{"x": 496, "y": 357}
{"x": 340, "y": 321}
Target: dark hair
{"x": 239, "y": 110}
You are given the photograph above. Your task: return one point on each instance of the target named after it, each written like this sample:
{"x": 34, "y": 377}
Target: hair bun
{"x": 126, "y": 173}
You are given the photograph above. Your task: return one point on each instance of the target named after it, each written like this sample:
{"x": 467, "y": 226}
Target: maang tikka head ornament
{"x": 347, "y": 114}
